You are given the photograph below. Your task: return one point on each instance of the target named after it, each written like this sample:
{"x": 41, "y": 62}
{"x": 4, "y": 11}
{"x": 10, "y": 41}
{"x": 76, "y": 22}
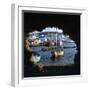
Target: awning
{"x": 52, "y": 30}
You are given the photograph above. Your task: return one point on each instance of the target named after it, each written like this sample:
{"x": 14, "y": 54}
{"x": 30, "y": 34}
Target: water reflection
{"x": 67, "y": 59}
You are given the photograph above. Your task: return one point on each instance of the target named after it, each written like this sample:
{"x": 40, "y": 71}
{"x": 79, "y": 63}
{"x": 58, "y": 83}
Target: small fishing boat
{"x": 57, "y": 53}
{"x": 35, "y": 57}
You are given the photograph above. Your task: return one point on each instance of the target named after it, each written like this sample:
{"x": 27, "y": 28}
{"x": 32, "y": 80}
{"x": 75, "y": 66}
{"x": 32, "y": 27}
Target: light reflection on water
{"x": 67, "y": 59}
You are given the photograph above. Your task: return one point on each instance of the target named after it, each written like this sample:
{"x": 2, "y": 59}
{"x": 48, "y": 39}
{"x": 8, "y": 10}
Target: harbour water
{"x": 65, "y": 65}
{"x": 67, "y": 59}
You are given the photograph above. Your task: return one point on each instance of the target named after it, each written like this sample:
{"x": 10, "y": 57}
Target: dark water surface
{"x": 69, "y": 64}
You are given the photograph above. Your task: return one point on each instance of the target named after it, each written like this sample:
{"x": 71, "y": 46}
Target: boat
{"x": 57, "y": 35}
{"x": 35, "y": 57}
{"x": 57, "y": 53}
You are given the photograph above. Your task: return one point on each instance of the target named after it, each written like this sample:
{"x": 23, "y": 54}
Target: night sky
{"x": 70, "y": 23}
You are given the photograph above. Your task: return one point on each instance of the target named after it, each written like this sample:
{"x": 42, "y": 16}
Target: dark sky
{"x": 70, "y": 23}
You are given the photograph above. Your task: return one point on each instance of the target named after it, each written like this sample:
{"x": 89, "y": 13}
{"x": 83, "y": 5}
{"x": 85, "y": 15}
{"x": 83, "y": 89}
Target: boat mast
{"x": 56, "y": 37}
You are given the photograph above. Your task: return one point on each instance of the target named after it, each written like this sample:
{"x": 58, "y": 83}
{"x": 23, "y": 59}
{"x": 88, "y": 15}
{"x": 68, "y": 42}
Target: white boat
{"x": 57, "y": 35}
